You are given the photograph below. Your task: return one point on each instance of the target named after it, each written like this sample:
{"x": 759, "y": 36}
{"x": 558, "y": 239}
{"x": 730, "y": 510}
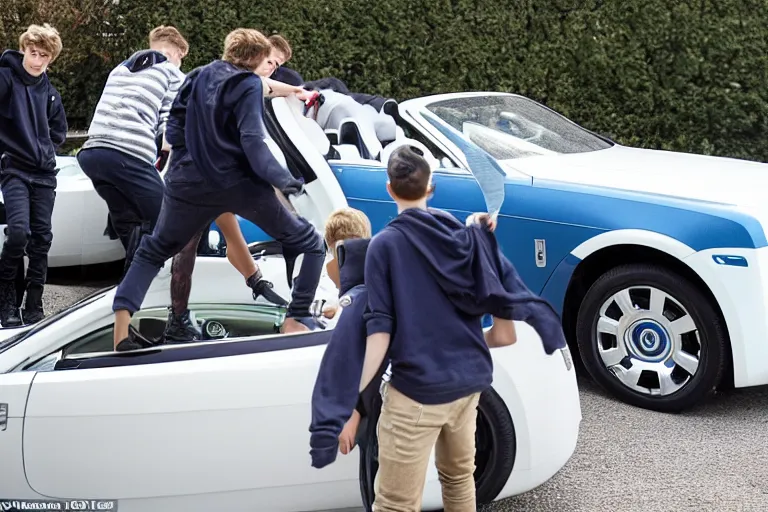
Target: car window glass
{"x": 510, "y": 127}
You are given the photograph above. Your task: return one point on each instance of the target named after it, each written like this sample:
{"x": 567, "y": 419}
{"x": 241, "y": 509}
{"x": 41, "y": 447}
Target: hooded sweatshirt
{"x": 336, "y": 389}
{"x": 223, "y": 128}
{"x": 430, "y": 280}
{"x": 32, "y": 119}
{"x": 133, "y": 108}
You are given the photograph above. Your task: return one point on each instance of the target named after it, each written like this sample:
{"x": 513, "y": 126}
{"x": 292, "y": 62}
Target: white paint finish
{"x": 635, "y": 237}
{"x": 706, "y": 178}
{"x": 741, "y": 294}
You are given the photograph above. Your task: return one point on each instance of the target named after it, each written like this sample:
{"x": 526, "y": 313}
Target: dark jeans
{"x": 28, "y": 210}
{"x": 132, "y": 189}
{"x": 188, "y": 207}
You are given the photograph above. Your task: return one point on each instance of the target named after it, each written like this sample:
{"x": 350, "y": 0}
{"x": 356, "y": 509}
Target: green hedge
{"x": 677, "y": 74}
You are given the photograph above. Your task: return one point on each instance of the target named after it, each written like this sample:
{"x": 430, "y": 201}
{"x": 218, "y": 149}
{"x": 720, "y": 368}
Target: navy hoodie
{"x": 32, "y": 120}
{"x": 223, "y": 130}
{"x": 430, "y": 280}
{"x": 287, "y": 76}
{"x": 336, "y": 395}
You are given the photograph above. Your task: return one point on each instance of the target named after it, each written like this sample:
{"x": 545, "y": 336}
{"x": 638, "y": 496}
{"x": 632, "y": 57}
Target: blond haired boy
{"x": 34, "y": 126}
{"x": 336, "y": 406}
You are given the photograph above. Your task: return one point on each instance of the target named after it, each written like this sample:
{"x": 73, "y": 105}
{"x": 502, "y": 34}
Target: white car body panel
{"x": 238, "y": 426}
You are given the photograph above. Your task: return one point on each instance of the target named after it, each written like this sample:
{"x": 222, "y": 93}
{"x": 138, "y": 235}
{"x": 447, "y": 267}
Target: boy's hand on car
{"x": 348, "y": 433}
{"x": 330, "y": 310}
{"x": 483, "y": 219}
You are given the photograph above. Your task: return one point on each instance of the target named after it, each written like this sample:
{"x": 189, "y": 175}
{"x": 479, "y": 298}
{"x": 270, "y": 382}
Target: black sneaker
{"x": 134, "y": 341}
{"x": 263, "y": 288}
{"x": 182, "y": 327}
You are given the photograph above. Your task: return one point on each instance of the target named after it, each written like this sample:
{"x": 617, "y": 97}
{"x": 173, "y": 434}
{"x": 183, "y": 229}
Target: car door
{"x": 224, "y": 422}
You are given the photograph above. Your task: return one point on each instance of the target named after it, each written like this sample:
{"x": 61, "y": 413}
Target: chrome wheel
{"x": 648, "y": 340}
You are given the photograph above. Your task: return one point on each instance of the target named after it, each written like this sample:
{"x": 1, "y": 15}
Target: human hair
{"x": 281, "y": 44}
{"x": 44, "y": 37}
{"x": 246, "y": 48}
{"x": 345, "y": 224}
{"x": 409, "y": 173}
{"x": 171, "y": 35}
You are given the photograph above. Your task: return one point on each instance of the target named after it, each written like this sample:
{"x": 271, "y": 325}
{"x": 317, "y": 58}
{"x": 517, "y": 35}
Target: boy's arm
{"x": 57, "y": 119}
{"x": 174, "y": 85}
{"x": 275, "y": 89}
{"x": 248, "y": 113}
{"x": 380, "y": 316}
{"x": 5, "y": 83}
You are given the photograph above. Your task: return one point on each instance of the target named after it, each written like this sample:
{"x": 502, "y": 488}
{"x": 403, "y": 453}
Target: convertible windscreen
{"x": 510, "y": 127}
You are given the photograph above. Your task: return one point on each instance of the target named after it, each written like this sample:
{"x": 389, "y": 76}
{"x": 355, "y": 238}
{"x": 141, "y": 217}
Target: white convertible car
{"x": 78, "y": 221}
{"x": 223, "y": 424}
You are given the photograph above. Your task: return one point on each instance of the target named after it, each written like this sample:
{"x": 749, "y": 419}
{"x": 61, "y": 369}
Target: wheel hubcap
{"x": 648, "y": 340}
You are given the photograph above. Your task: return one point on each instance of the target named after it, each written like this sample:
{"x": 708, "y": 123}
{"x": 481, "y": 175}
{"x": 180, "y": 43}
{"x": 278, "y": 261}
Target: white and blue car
{"x": 656, "y": 260}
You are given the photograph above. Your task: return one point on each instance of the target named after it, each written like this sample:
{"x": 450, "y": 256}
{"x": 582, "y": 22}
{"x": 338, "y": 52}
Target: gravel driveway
{"x": 714, "y": 458}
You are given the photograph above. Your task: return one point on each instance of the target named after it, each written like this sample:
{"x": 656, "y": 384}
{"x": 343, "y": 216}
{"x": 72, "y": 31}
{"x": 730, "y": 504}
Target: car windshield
{"x": 512, "y": 127}
{"x": 9, "y": 342}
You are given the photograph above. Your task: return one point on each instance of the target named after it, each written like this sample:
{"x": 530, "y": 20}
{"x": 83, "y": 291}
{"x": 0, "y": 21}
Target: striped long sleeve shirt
{"x": 134, "y": 106}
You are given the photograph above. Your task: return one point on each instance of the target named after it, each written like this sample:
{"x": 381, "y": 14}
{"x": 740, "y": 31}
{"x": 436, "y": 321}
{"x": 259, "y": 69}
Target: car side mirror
{"x": 446, "y": 163}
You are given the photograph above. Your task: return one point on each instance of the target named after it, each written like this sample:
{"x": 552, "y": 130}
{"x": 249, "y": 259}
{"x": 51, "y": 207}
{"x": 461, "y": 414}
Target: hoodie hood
{"x": 14, "y": 59}
{"x": 474, "y": 274}
{"x": 144, "y": 59}
{"x": 352, "y": 263}
{"x": 445, "y": 244}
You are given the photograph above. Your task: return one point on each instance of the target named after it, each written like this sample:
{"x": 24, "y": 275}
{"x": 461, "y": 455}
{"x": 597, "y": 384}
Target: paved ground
{"x": 713, "y": 459}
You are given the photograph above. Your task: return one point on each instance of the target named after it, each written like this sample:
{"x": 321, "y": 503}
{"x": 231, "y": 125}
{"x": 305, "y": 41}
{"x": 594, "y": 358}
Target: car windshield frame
{"x": 15, "y": 339}
{"x": 511, "y": 127}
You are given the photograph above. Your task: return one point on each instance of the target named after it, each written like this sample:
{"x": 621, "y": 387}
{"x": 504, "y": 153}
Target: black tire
{"x": 495, "y": 440}
{"x": 712, "y": 337}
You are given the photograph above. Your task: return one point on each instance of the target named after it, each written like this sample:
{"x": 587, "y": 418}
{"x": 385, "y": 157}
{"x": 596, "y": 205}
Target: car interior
{"x": 354, "y": 139}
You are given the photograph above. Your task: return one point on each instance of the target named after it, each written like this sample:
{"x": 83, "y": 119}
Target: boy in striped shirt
{"x": 120, "y": 153}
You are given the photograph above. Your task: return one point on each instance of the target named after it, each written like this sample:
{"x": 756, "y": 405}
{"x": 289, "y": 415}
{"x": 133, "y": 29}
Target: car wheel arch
{"x": 602, "y": 260}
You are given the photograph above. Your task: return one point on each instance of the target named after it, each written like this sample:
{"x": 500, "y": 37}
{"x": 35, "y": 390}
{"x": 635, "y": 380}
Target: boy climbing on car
{"x": 33, "y": 126}
{"x": 336, "y": 409}
{"x": 221, "y": 163}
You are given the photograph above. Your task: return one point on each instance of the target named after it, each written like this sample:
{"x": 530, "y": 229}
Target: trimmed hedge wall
{"x": 672, "y": 74}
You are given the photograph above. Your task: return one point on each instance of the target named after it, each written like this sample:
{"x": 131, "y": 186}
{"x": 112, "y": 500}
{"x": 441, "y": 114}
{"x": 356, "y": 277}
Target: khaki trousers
{"x": 407, "y": 432}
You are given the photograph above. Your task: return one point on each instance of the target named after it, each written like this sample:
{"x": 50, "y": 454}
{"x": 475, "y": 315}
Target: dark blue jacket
{"x": 430, "y": 280}
{"x": 481, "y": 279}
{"x": 336, "y": 395}
{"x": 217, "y": 118}
{"x": 32, "y": 121}
{"x": 287, "y": 76}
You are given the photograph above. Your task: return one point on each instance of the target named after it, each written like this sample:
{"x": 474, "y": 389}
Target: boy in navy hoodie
{"x": 221, "y": 163}
{"x": 428, "y": 288}
{"x": 32, "y": 126}
{"x": 336, "y": 410}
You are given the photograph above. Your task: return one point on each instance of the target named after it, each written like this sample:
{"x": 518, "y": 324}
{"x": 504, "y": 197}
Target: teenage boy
{"x": 422, "y": 266}
{"x": 181, "y": 326}
{"x": 336, "y": 410}
{"x": 281, "y": 54}
{"x": 120, "y": 153}
{"x": 34, "y": 125}
{"x": 223, "y": 165}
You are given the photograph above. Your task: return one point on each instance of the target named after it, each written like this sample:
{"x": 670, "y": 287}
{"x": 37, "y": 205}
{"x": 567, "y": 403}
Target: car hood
{"x": 706, "y": 178}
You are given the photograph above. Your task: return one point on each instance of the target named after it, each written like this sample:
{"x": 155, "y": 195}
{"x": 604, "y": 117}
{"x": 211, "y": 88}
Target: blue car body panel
{"x": 564, "y": 215}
